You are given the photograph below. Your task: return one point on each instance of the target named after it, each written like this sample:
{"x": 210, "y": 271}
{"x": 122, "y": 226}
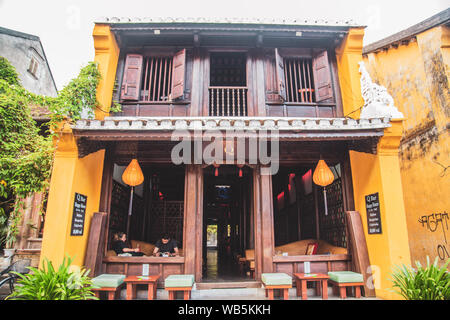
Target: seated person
{"x": 166, "y": 247}
{"x": 119, "y": 245}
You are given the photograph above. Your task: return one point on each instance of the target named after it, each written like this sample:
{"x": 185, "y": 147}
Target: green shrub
{"x": 8, "y": 72}
{"x": 430, "y": 283}
{"x": 51, "y": 284}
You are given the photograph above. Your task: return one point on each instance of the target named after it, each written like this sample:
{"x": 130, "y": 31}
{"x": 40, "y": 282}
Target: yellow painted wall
{"x": 107, "y": 56}
{"x": 348, "y": 55}
{"x": 417, "y": 76}
{"x": 74, "y": 175}
{"x": 381, "y": 173}
{"x": 70, "y": 175}
{"x": 375, "y": 173}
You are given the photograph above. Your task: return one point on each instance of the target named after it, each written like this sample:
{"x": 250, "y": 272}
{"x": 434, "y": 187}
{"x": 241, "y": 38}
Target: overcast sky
{"x": 65, "y": 26}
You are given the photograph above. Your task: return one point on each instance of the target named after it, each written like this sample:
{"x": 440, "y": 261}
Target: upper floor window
{"x": 33, "y": 67}
{"x": 153, "y": 79}
{"x": 304, "y": 79}
{"x": 156, "y": 79}
{"x": 299, "y": 80}
{"x": 228, "y": 84}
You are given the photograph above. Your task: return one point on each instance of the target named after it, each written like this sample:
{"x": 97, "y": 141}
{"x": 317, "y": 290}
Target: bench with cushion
{"x": 110, "y": 283}
{"x": 276, "y": 281}
{"x": 297, "y": 248}
{"x": 146, "y": 247}
{"x": 179, "y": 282}
{"x": 346, "y": 279}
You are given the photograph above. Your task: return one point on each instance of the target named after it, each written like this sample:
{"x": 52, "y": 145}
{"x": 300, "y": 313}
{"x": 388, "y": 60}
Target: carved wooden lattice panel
{"x": 120, "y": 201}
{"x": 167, "y": 217}
{"x": 333, "y": 226}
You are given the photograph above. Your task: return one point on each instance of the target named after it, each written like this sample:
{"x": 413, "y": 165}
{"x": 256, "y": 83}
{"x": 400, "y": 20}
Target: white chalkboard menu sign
{"x": 373, "y": 214}
{"x": 79, "y": 211}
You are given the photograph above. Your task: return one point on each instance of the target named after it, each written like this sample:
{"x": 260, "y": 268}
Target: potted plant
{"x": 49, "y": 283}
{"x": 429, "y": 283}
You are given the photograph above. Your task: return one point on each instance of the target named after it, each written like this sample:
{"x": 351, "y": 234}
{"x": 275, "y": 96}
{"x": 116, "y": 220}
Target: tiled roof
{"x": 441, "y": 18}
{"x": 19, "y": 34}
{"x": 211, "y": 20}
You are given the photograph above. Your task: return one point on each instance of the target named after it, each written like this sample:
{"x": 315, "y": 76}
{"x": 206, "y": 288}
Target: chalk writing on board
{"x": 373, "y": 214}
{"x": 79, "y": 212}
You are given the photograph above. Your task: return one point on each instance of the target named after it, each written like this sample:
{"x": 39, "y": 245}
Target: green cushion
{"x": 276, "y": 279}
{"x": 345, "y": 276}
{"x": 179, "y": 281}
{"x": 108, "y": 280}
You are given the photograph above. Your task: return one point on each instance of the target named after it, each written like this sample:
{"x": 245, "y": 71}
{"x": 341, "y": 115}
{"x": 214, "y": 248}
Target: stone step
{"x": 228, "y": 285}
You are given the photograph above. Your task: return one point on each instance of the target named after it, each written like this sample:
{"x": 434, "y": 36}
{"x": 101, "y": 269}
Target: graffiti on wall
{"x": 437, "y": 222}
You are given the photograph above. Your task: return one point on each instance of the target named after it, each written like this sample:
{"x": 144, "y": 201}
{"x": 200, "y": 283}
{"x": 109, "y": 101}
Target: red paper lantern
{"x": 240, "y": 166}
{"x": 216, "y": 170}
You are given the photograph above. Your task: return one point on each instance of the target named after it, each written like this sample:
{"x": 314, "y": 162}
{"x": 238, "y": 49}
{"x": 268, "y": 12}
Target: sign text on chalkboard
{"x": 373, "y": 214}
{"x": 79, "y": 211}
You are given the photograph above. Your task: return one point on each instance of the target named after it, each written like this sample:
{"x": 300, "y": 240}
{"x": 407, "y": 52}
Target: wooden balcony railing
{"x": 228, "y": 101}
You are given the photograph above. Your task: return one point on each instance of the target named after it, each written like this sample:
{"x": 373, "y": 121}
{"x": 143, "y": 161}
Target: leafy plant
{"x": 430, "y": 283}
{"x": 26, "y": 156}
{"x": 8, "y": 72}
{"x": 51, "y": 284}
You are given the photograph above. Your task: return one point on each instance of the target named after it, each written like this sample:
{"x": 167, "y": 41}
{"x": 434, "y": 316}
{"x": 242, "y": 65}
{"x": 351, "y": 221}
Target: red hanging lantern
{"x": 216, "y": 170}
{"x": 323, "y": 176}
{"x": 240, "y": 166}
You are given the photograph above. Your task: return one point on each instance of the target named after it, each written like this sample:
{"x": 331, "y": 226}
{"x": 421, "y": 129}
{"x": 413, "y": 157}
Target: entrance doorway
{"x": 226, "y": 222}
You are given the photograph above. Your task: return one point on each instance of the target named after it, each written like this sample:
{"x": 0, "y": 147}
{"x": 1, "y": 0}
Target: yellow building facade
{"x": 414, "y": 66}
{"x": 378, "y": 172}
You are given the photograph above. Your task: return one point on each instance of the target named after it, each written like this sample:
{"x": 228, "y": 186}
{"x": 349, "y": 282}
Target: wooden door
{"x": 131, "y": 84}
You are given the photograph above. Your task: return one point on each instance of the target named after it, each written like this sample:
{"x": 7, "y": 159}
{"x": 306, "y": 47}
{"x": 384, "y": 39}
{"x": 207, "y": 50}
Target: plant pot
{"x": 8, "y": 252}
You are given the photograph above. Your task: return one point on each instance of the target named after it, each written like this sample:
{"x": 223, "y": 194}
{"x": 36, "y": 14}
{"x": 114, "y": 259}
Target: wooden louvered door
{"x": 322, "y": 76}
{"x": 178, "y": 70}
{"x": 132, "y": 77}
{"x": 279, "y": 69}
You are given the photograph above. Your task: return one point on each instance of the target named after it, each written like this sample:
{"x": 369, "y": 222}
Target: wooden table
{"x": 133, "y": 281}
{"x": 321, "y": 280}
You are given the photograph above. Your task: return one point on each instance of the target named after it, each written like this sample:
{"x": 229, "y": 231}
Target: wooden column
{"x": 197, "y": 85}
{"x": 193, "y": 221}
{"x": 106, "y": 192}
{"x": 263, "y": 223}
{"x": 256, "y": 83}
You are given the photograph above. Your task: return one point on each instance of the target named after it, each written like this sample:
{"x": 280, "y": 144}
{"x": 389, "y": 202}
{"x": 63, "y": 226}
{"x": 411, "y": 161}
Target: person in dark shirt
{"x": 120, "y": 245}
{"x": 166, "y": 247}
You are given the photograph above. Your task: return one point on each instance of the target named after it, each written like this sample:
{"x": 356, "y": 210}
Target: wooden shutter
{"x": 131, "y": 83}
{"x": 178, "y": 69}
{"x": 279, "y": 69}
{"x": 322, "y": 76}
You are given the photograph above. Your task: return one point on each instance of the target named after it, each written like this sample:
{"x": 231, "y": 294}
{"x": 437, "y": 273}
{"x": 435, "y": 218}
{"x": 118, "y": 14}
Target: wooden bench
{"x": 109, "y": 283}
{"x": 276, "y": 281}
{"x": 179, "y": 282}
{"x": 343, "y": 280}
